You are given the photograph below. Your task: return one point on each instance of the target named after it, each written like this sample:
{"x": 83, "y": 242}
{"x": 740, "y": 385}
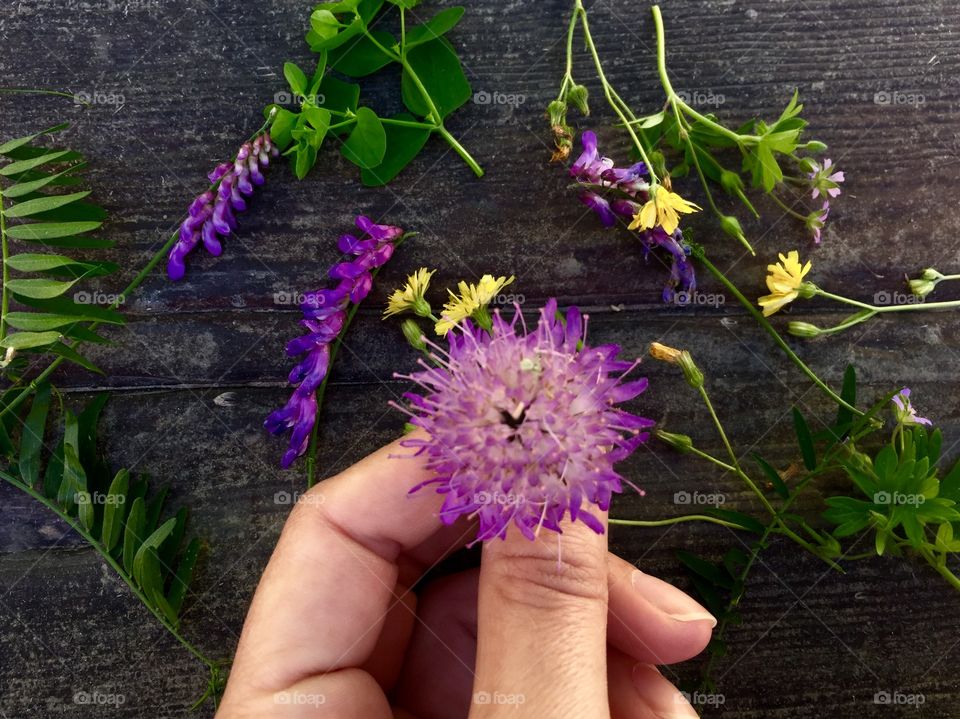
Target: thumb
{"x": 542, "y": 624}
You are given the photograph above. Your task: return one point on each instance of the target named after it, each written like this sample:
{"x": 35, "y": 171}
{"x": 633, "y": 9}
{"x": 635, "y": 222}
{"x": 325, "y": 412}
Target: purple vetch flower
{"x": 904, "y": 412}
{"x": 522, "y": 427}
{"x": 627, "y": 190}
{"x": 212, "y": 215}
{"x": 822, "y": 180}
{"x": 324, "y": 317}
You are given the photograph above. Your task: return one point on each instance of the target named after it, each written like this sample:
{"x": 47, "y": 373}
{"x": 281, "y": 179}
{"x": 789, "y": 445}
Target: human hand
{"x": 335, "y": 630}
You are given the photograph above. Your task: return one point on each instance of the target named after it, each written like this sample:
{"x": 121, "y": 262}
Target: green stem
{"x": 762, "y": 321}
{"x": 786, "y": 208}
{"x": 5, "y": 300}
{"x": 889, "y": 308}
{"x": 108, "y": 558}
{"x": 710, "y": 458}
{"x": 674, "y": 520}
{"x": 568, "y": 75}
{"x": 942, "y": 568}
{"x": 609, "y": 92}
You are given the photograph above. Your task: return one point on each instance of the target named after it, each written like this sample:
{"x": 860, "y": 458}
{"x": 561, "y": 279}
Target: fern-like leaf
{"x": 43, "y": 209}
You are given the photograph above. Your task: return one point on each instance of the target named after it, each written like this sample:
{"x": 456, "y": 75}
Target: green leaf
{"x": 64, "y": 306}
{"x": 701, "y": 567}
{"x": 406, "y": 4}
{"x": 78, "y": 241}
{"x": 848, "y": 393}
{"x": 362, "y": 56}
{"x": 324, "y": 23}
{"x": 155, "y": 507}
{"x": 779, "y": 486}
{"x": 50, "y": 231}
{"x": 296, "y": 78}
{"x": 31, "y": 439}
{"x": 149, "y": 575}
{"x": 645, "y": 123}
{"x": 16, "y": 168}
{"x": 26, "y": 188}
{"x": 153, "y": 542}
{"x": 306, "y": 158}
{"x": 745, "y": 521}
{"x": 403, "y": 144}
{"x": 74, "y": 476}
{"x": 133, "y": 533}
{"x": 45, "y": 204}
{"x": 283, "y": 123}
{"x": 11, "y": 145}
{"x": 40, "y": 289}
{"x": 337, "y": 95}
{"x": 40, "y": 262}
{"x": 805, "y": 440}
{"x": 181, "y": 580}
{"x": 439, "y": 24}
{"x": 29, "y": 340}
{"x": 68, "y": 353}
{"x": 367, "y": 143}
{"x": 114, "y": 510}
{"x": 169, "y": 549}
{"x": 439, "y": 70}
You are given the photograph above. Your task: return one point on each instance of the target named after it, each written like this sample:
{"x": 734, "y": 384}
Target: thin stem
{"x": 786, "y": 208}
{"x": 942, "y": 568}
{"x": 674, "y": 520}
{"x": 610, "y": 93}
{"x": 710, "y": 458}
{"x": 568, "y": 75}
{"x": 5, "y": 300}
{"x": 762, "y": 321}
{"x": 460, "y": 150}
{"x": 889, "y": 308}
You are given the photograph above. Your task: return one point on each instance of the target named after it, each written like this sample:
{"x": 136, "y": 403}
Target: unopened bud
{"x": 414, "y": 335}
{"x": 815, "y": 146}
{"x": 731, "y": 182}
{"x": 578, "y": 95}
{"x": 665, "y": 353}
{"x": 557, "y": 112}
{"x": 682, "y": 358}
{"x": 731, "y": 225}
{"x": 803, "y": 329}
{"x": 680, "y": 442}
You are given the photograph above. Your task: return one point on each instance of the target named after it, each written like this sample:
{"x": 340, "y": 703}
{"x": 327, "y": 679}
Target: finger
{"x": 651, "y": 620}
{"x": 438, "y": 670}
{"x": 542, "y": 621}
{"x": 639, "y": 691}
{"x": 322, "y": 600}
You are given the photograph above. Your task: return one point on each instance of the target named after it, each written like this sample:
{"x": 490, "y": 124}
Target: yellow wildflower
{"x": 471, "y": 302}
{"x": 410, "y": 296}
{"x": 662, "y": 209}
{"x": 784, "y": 280}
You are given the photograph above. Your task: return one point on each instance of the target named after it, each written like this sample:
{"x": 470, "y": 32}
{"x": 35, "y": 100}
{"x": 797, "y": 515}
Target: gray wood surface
{"x": 193, "y": 75}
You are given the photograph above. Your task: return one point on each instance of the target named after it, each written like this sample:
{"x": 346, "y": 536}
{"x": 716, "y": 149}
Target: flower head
{"x": 471, "y": 302}
{"x": 324, "y": 317}
{"x": 522, "y": 427}
{"x": 663, "y": 209}
{"x": 926, "y": 283}
{"x": 785, "y": 282}
{"x": 904, "y": 412}
{"x": 816, "y": 220}
{"x": 212, "y": 215}
{"x": 823, "y": 181}
{"x": 411, "y": 295}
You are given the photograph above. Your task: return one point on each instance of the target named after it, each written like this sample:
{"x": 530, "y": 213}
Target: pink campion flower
{"x": 823, "y": 181}
{"x": 904, "y": 412}
{"x": 522, "y": 427}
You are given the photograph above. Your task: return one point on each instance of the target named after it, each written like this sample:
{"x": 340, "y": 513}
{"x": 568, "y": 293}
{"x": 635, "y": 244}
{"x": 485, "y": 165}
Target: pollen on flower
{"x": 523, "y": 427}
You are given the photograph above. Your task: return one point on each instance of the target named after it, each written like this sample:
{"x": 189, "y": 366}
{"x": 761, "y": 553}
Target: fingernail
{"x": 670, "y": 600}
{"x": 672, "y": 706}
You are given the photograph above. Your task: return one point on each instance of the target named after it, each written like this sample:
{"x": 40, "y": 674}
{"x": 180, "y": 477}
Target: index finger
{"x": 323, "y": 597}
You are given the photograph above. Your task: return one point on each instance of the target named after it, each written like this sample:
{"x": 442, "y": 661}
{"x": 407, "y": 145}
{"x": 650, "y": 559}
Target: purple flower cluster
{"x": 628, "y": 188}
{"x": 324, "y": 316}
{"x": 211, "y": 215}
{"x": 522, "y": 428}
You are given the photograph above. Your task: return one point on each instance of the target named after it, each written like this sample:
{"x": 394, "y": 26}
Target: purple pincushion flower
{"x": 522, "y": 427}
{"x": 212, "y": 215}
{"x": 627, "y": 188}
{"x": 325, "y": 316}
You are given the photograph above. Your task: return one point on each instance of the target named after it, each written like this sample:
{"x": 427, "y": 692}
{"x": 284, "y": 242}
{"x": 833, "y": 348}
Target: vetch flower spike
{"x": 324, "y": 317}
{"x": 785, "y": 282}
{"x": 212, "y": 215}
{"x": 522, "y": 428}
